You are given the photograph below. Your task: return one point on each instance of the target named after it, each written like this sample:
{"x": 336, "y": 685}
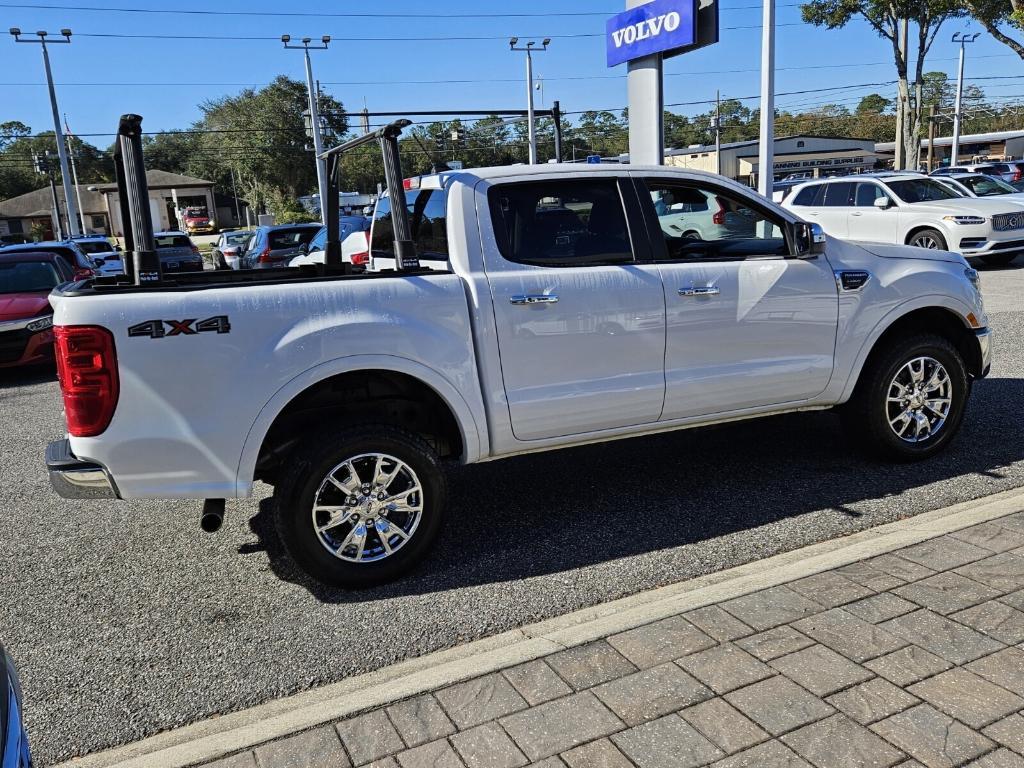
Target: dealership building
{"x": 817, "y": 155}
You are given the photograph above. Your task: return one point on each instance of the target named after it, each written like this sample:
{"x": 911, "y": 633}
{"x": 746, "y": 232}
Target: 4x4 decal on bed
{"x": 154, "y": 329}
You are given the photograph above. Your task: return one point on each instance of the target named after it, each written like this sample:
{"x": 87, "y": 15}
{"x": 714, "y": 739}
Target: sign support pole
{"x": 646, "y": 107}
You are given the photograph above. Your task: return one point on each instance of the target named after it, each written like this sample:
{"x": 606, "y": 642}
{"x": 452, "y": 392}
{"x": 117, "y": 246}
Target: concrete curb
{"x": 224, "y": 735}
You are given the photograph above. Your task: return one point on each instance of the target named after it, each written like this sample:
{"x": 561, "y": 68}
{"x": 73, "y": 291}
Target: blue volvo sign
{"x": 655, "y": 27}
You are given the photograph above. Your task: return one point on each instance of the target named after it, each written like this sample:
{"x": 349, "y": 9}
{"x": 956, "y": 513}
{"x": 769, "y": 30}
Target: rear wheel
{"x": 931, "y": 239}
{"x": 360, "y": 507}
{"x": 910, "y": 399}
{"x": 998, "y": 259}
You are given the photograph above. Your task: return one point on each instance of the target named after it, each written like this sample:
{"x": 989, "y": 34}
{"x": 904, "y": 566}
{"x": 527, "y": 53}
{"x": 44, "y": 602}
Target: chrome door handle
{"x": 709, "y": 290}
{"x": 534, "y": 298}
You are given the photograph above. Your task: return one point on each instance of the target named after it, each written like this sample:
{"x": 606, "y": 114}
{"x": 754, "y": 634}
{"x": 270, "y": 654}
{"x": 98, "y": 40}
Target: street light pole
{"x": 963, "y": 39}
{"x": 62, "y": 152}
{"x": 531, "y": 127}
{"x": 314, "y": 117}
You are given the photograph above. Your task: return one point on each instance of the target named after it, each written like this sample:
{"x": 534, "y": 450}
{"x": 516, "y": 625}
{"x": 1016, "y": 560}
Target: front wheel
{"x": 360, "y": 507}
{"x": 910, "y": 399}
{"x": 998, "y": 259}
{"x": 931, "y": 239}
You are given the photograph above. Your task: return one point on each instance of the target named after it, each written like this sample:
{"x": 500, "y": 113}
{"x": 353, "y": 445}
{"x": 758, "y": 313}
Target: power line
{"x": 342, "y": 15}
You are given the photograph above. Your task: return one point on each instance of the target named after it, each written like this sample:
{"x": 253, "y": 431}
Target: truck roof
{"x": 494, "y": 172}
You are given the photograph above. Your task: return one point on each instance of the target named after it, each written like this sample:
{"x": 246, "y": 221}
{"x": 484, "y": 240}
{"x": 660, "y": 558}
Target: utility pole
{"x": 41, "y": 164}
{"x": 234, "y": 194}
{"x": 766, "y": 152}
{"x": 314, "y": 117}
{"x": 74, "y": 174}
{"x": 931, "y": 138}
{"x": 716, "y": 123}
{"x": 556, "y": 117}
{"x": 529, "y": 88}
{"x": 963, "y": 39}
{"x": 62, "y": 152}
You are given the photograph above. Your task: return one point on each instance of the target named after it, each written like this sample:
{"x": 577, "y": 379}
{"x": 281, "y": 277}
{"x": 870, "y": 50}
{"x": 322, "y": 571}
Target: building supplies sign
{"x": 655, "y": 27}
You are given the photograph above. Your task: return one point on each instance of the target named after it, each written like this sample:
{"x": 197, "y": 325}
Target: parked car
{"x": 427, "y": 211}
{"x": 14, "y": 238}
{"x": 14, "y": 746}
{"x": 914, "y": 210}
{"x": 275, "y": 246}
{"x": 566, "y": 315}
{"x": 26, "y": 317}
{"x": 1009, "y": 171}
{"x": 981, "y": 185}
{"x": 698, "y": 214}
{"x": 81, "y": 263}
{"x": 197, "y": 221}
{"x": 177, "y": 252}
{"x": 230, "y": 246}
{"x": 354, "y": 233}
{"x": 108, "y": 256}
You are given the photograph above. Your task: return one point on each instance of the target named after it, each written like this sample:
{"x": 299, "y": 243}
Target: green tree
{"x": 262, "y": 136}
{"x": 886, "y": 18}
{"x": 873, "y": 104}
{"x": 1003, "y": 19}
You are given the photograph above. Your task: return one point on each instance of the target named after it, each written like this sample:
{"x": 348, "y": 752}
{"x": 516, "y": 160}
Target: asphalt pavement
{"x": 126, "y": 619}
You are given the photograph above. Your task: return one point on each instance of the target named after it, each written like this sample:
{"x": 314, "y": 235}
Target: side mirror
{"x": 810, "y": 240}
{"x": 882, "y": 203}
{"x": 303, "y": 248}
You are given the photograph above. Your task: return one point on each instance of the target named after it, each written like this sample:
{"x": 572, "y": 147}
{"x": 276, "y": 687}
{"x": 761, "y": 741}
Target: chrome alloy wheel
{"x": 919, "y": 399}
{"x": 926, "y": 241}
{"x": 367, "y": 508}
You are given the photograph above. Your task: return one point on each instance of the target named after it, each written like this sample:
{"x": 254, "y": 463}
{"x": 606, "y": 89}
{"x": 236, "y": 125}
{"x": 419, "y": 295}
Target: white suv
{"x": 915, "y": 210}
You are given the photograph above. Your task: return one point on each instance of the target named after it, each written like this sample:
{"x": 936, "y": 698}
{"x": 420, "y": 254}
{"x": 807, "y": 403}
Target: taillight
{"x": 1018, "y": 173}
{"x": 264, "y": 255}
{"x": 87, "y": 369}
{"x": 81, "y": 273}
{"x": 719, "y": 216}
{"x": 361, "y": 258}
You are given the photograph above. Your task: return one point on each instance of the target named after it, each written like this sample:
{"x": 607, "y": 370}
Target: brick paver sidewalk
{"x": 906, "y": 659}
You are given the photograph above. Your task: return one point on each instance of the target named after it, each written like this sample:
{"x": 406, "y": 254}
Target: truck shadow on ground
{"x": 553, "y": 512}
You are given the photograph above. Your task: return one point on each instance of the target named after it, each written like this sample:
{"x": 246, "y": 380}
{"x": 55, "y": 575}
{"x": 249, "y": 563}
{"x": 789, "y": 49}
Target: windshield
{"x": 921, "y": 190}
{"x": 986, "y": 186}
{"x": 27, "y": 277}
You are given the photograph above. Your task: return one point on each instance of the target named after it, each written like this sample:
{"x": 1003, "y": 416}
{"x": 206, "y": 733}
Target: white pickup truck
{"x": 571, "y": 310}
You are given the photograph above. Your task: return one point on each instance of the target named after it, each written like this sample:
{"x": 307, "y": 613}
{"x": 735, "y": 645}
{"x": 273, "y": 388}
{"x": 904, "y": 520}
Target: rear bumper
{"x": 73, "y": 478}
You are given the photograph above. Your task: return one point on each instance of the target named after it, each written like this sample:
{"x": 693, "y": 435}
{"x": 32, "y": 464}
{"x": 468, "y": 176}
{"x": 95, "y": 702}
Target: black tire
{"x": 692, "y": 234}
{"x": 866, "y": 416}
{"x": 998, "y": 259}
{"x": 928, "y": 236}
{"x": 294, "y": 497}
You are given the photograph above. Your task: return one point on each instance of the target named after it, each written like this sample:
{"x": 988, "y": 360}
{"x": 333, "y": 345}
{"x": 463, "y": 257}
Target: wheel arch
{"x": 945, "y": 321}
{"x": 426, "y": 397}
{"x": 921, "y": 228}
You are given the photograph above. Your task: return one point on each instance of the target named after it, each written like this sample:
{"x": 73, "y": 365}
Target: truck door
{"x": 581, "y": 328}
{"x": 747, "y": 325}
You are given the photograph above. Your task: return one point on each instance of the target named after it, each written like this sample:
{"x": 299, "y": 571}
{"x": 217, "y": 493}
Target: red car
{"x": 26, "y": 318}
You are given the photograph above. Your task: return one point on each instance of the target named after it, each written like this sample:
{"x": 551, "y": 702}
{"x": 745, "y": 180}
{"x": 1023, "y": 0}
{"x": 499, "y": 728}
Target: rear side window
{"x": 576, "y": 222}
{"x": 809, "y": 195}
{"x": 173, "y": 241}
{"x": 290, "y": 238}
{"x": 427, "y": 209}
{"x": 839, "y": 194}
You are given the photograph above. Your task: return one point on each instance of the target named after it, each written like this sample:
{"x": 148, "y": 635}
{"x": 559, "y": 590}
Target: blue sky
{"x": 164, "y": 79}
